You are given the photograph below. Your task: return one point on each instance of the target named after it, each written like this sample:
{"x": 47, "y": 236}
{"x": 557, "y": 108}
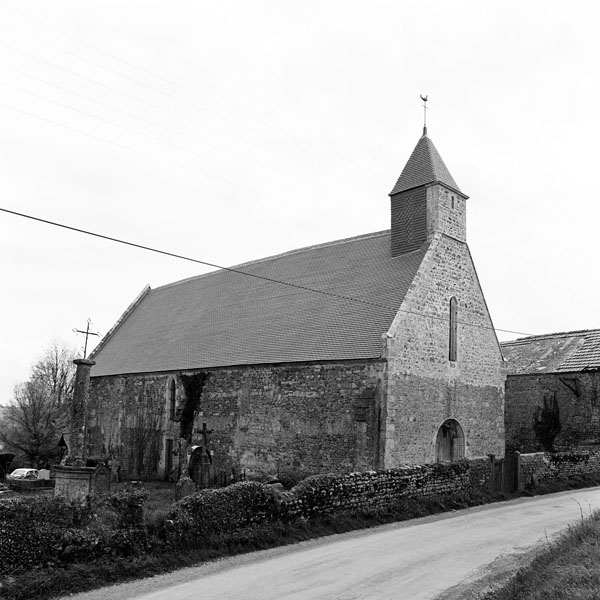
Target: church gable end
{"x": 444, "y": 362}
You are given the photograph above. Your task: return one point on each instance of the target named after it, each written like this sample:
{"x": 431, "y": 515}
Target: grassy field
{"x": 569, "y": 569}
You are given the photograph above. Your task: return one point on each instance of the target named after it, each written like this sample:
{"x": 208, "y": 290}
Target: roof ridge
{"x": 276, "y": 256}
{"x": 577, "y": 332}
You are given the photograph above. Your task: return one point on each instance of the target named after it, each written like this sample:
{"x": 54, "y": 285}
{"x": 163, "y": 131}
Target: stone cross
{"x": 87, "y": 334}
{"x": 77, "y": 430}
{"x": 205, "y": 433}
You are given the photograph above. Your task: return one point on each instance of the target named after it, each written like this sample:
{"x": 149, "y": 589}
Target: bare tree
{"x": 55, "y": 373}
{"x": 38, "y": 414}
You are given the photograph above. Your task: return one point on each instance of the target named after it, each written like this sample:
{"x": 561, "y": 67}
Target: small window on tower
{"x": 452, "y": 201}
{"x": 453, "y": 330}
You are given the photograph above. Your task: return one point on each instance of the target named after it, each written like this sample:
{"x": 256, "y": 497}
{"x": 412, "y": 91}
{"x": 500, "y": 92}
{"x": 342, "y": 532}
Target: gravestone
{"x": 101, "y": 480}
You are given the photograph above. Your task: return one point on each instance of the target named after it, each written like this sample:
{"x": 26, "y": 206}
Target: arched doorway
{"x": 450, "y": 442}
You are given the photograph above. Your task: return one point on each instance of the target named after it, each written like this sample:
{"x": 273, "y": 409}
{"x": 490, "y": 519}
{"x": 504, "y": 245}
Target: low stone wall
{"x": 28, "y": 485}
{"x": 544, "y": 466}
{"x": 370, "y": 490}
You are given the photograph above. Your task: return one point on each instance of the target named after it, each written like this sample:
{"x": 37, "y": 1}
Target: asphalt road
{"x": 420, "y": 559}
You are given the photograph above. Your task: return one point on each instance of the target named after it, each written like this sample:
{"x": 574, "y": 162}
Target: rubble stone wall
{"x": 545, "y": 466}
{"x": 577, "y": 400}
{"x": 378, "y": 489}
{"x": 310, "y": 418}
{"x": 425, "y": 387}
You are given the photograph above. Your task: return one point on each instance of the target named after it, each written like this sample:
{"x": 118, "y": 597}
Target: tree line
{"x": 33, "y": 422}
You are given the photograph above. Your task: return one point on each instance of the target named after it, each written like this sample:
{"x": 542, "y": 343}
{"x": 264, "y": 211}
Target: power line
{"x": 247, "y": 274}
{"x": 118, "y": 145}
{"x": 124, "y": 127}
{"x": 138, "y": 99}
{"x": 161, "y": 78}
{"x": 104, "y": 85}
{"x": 128, "y": 114}
{"x": 128, "y": 63}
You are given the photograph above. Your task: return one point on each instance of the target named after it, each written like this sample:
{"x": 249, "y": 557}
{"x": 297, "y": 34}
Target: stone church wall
{"x": 425, "y": 388}
{"x": 308, "y": 418}
{"x": 536, "y": 404}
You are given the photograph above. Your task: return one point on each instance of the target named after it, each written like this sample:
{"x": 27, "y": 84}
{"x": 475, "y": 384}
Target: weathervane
{"x": 424, "y": 98}
{"x": 87, "y": 334}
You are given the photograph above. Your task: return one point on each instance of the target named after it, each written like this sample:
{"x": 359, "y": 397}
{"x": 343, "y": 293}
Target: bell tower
{"x": 425, "y": 201}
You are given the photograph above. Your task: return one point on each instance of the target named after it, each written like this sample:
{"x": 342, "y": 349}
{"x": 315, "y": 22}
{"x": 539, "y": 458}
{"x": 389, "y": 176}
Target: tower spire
{"x": 424, "y": 98}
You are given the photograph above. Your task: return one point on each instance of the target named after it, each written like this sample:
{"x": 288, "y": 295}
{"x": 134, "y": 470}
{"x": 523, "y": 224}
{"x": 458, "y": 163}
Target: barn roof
{"x": 225, "y": 318}
{"x": 554, "y": 352}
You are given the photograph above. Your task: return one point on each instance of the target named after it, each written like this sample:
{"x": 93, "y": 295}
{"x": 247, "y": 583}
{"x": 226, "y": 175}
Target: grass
{"x": 569, "y": 569}
{"x": 161, "y": 495}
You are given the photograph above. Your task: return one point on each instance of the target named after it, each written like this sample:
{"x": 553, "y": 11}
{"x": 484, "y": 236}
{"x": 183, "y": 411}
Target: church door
{"x": 450, "y": 442}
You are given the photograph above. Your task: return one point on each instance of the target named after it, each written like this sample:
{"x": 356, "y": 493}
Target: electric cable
{"x": 122, "y": 146}
{"x": 247, "y": 274}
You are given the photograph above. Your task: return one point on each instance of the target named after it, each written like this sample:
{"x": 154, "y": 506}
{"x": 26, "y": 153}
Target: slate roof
{"x": 424, "y": 166}
{"x": 225, "y": 318}
{"x": 554, "y": 353}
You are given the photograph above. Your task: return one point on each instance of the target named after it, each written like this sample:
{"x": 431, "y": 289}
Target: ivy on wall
{"x": 193, "y": 385}
{"x": 546, "y": 423}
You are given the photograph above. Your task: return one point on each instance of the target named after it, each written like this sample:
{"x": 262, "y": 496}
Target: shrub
{"x": 32, "y": 530}
{"x": 290, "y": 476}
{"x": 5, "y": 459}
{"x": 44, "y": 509}
{"x": 127, "y": 505}
{"x": 216, "y": 511}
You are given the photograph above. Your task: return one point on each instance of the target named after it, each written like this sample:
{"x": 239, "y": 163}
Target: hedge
{"x": 216, "y": 511}
{"x": 42, "y": 531}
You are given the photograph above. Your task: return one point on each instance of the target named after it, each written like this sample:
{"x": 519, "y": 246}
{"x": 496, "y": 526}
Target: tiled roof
{"x": 554, "y": 352}
{"x": 424, "y": 166}
{"x": 225, "y": 318}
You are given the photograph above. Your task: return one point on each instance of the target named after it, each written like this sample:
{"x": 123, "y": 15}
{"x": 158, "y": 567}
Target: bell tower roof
{"x": 424, "y": 166}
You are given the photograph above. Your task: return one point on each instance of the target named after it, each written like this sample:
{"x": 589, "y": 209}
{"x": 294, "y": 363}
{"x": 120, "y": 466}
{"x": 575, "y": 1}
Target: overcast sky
{"x": 233, "y": 130}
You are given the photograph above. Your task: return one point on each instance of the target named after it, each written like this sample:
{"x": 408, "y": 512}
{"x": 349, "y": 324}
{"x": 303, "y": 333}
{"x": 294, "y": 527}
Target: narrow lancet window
{"x": 453, "y": 330}
{"x": 172, "y": 396}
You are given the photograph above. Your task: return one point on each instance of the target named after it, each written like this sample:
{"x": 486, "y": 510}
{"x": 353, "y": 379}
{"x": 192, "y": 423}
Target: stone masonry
{"x": 263, "y": 420}
{"x": 425, "y": 388}
{"x": 577, "y": 401}
{"x": 331, "y": 376}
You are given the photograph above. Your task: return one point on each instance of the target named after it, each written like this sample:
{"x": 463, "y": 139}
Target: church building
{"x": 362, "y": 353}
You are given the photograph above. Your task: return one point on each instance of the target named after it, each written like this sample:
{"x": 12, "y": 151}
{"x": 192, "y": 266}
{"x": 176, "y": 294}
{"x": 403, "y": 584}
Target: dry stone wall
{"x": 373, "y": 490}
{"x": 538, "y": 467}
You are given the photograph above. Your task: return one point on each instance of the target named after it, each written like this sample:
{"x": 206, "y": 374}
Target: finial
{"x": 424, "y": 98}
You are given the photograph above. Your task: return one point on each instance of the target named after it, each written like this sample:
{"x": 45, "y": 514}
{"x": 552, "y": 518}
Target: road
{"x": 414, "y": 560}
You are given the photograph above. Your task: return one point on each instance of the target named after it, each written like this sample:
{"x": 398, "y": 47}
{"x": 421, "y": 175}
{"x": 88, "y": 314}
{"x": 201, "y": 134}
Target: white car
{"x": 23, "y": 474}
